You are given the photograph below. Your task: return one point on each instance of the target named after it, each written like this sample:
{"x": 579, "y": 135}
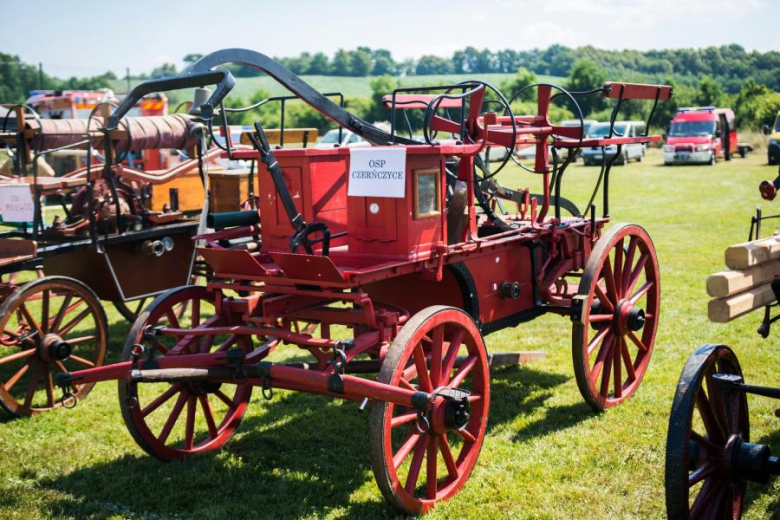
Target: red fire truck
{"x": 80, "y": 104}
{"x": 702, "y": 135}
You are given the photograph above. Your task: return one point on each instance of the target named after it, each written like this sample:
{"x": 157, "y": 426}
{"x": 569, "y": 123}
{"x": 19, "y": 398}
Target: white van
{"x": 593, "y": 155}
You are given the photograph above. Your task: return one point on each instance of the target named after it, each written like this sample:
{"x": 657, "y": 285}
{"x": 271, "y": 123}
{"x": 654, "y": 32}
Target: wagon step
{"x": 504, "y": 359}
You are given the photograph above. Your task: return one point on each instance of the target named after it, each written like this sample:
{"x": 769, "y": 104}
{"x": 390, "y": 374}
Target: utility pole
{"x": 127, "y": 77}
{"x": 40, "y": 76}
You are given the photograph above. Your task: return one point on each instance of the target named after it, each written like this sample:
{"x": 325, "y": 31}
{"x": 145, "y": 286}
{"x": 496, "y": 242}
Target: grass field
{"x": 349, "y": 86}
{"x": 546, "y": 455}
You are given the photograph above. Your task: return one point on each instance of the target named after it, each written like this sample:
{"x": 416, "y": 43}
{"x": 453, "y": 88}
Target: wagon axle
{"x": 53, "y": 348}
{"x": 628, "y": 317}
{"x": 748, "y": 461}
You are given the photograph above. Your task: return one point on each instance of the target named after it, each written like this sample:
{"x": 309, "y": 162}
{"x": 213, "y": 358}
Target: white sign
{"x": 377, "y": 172}
{"x": 16, "y": 203}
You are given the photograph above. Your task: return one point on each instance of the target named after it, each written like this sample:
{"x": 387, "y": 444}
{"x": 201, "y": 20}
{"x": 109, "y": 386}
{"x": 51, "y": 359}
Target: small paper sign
{"x": 16, "y": 203}
{"x": 377, "y": 172}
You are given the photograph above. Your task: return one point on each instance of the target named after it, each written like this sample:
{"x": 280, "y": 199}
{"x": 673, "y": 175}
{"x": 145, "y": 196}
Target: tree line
{"x": 724, "y": 76}
{"x": 755, "y": 104}
{"x": 17, "y": 79}
{"x": 729, "y": 64}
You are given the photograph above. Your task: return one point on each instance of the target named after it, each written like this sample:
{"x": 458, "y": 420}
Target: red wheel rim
{"x": 416, "y": 470}
{"x": 614, "y": 341}
{"x": 173, "y": 421}
{"x": 48, "y": 326}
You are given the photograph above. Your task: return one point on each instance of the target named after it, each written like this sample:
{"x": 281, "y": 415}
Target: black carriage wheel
{"x": 705, "y": 425}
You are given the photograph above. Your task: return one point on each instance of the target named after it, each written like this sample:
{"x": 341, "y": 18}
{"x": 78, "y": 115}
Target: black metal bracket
{"x": 222, "y": 78}
{"x": 733, "y": 383}
{"x": 295, "y": 85}
{"x": 339, "y": 362}
{"x": 532, "y": 247}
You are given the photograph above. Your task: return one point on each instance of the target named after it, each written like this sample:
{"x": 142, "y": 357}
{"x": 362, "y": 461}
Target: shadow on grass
{"x": 6, "y": 417}
{"x": 302, "y": 455}
{"x": 519, "y": 391}
{"x": 296, "y": 456}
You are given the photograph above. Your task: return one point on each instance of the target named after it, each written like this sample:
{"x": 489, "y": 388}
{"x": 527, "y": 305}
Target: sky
{"x": 89, "y": 37}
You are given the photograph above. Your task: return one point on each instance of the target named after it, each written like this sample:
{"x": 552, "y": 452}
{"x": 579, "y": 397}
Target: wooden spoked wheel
{"x": 706, "y": 426}
{"x": 613, "y": 338}
{"x": 49, "y": 325}
{"x": 420, "y": 463}
{"x": 173, "y": 421}
{"x": 131, "y": 309}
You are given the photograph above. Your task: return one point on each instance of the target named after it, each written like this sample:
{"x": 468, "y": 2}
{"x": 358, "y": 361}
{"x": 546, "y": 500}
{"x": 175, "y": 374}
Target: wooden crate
{"x": 191, "y": 193}
{"x": 228, "y": 189}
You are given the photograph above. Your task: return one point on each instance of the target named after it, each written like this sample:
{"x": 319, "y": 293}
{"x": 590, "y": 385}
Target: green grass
{"x": 349, "y": 86}
{"x": 546, "y": 455}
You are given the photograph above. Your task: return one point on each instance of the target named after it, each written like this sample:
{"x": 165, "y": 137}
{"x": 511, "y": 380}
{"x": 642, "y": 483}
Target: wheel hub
{"x": 53, "y": 348}
{"x": 748, "y": 461}
{"x": 456, "y": 414}
{"x": 628, "y": 318}
{"x": 449, "y": 414}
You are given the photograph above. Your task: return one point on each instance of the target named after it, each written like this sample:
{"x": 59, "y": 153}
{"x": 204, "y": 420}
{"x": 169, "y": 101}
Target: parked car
{"x": 593, "y": 155}
{"x": 528, "y": 152}
{"x": 331, "y": 140}
{"x": 702, "y": 135}
{"x": 494, "y": 154}
{"x": 773, "y": 150}
{"x": 586, "y": 124}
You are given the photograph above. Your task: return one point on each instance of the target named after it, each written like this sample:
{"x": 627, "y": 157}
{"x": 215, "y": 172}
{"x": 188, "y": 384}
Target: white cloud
{"x": 542, "y": 34}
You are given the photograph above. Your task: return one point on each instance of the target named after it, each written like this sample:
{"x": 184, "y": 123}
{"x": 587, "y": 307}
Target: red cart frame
{"x": 403, "y": 287}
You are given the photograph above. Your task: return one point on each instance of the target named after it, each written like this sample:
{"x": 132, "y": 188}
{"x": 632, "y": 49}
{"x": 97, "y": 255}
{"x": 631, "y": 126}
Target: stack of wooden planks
{"x": 747, "y": 284}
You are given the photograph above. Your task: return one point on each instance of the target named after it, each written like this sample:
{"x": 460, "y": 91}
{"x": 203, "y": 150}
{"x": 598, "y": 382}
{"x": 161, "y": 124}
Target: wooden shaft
{"x": 749, "y": 254}
{"x": 723, "y": 310}
{"x": 729, "y": 283}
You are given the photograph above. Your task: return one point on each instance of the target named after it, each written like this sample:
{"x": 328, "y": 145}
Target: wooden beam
{"x": 723, "y": 310}
{"x": 748, "y": 254}
{"x": 515, "y": 358}
{"x": 729, "y": 283}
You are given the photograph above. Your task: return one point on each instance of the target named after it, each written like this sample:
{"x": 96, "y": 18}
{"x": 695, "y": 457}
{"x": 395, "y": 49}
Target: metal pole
{"x": 40, "y": 76}
{"x": 127, "y": 78}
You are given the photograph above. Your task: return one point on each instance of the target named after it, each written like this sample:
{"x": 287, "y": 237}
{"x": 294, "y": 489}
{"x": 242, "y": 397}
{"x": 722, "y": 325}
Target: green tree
{"x": 710, "y": 92}
{"x": 301, "y": 115}
{"x": 755, "y": 105}
{"x": 360, "y": 63}
{"x": 434, "y": 65}
{"x": 521, "y": 79}
{"x": 192, "y": 57}
{"x": 342, "y": 64}
{"x": 164, "y": 70}
{"x": 359, "y": 106}
{"x": 587, "y": 75}
{"x": 383, "y": 62}
{"x": 383, "y": 65}
{"x": 380, "y": 87}
{"x": 319, "y": 64}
